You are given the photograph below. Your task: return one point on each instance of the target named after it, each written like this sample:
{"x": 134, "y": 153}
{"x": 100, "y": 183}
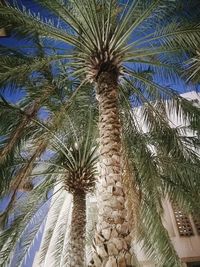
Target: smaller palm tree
{"x": 73, "y": 164}
{"x": 20, "y": 123}
{"x": 79, "y": 160}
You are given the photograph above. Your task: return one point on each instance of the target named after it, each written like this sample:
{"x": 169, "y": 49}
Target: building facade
{"x": 184, "y": 231}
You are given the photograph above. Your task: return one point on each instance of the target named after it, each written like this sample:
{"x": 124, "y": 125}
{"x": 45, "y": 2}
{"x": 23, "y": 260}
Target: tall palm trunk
{"x": 13, "y": 139}
{"x": 112, "y": 237}
{"x": 77, "y": 235}
{"x": 21, "y": 182}
{"x": 17, "y": 134}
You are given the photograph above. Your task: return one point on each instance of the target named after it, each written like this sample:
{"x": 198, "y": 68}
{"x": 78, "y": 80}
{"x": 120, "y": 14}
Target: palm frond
{"x": 193, "y": 68}
{"x": 32, "y": 25}
{"x": 156, "y": 241}
{"x": 52, "y": 218}
{"x": 26, "y": 212}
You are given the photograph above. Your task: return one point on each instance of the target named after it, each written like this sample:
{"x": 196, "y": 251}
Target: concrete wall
{"x": 187, "y": 248}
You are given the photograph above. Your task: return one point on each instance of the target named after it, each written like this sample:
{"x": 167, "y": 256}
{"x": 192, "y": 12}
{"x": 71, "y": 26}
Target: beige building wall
{"x": 187, "y": 248}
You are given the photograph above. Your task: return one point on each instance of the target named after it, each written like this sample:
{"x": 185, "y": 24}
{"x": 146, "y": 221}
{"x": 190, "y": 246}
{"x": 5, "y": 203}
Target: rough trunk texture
{"x": 132, "y": 200}
{"x": 112, "y": 238}
{"x": 77, "y": 235}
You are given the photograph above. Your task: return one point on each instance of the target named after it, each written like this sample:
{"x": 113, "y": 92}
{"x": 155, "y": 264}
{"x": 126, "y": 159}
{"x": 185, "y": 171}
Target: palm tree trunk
{"x": 112, "y": 237}
{"x": 21, "y": 182}
{"x": 13, "y": 139}
{"x": 27, "y": 170}
{"x": 17, "y": 134}
{"x": 77, "y": 235}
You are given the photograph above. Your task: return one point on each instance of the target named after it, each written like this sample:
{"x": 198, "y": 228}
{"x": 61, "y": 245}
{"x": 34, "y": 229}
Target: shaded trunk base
{"x": 112, "y": 240}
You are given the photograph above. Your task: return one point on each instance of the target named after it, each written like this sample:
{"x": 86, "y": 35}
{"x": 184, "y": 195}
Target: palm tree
{"x": 18, "y": 179}
{"x": 16, "y": 127}
{"x": 33, "y": 102}
{"x": 79, "y": 177}
{"x": 73, "y": 164}
{"x": 17, "y": 121}
{"x": 20, "y": 126}
{"x": 79, "y": 161}
{"x": 125, "y": 51}
{"x": 79, "y": 181}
